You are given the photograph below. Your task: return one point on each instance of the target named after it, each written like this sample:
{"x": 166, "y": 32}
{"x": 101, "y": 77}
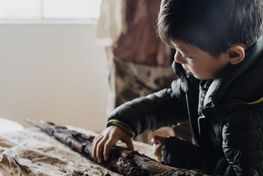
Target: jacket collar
{"x": 220, "y": 85}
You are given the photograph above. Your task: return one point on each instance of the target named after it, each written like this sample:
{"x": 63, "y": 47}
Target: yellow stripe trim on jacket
{"x": 257, "y": 101}
{"x": 121, "y": 125}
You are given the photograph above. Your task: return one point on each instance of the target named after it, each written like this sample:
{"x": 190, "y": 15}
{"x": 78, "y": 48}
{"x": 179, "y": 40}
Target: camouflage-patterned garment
{"x": 130, "y": 80}
{"x": 138, "y": 61}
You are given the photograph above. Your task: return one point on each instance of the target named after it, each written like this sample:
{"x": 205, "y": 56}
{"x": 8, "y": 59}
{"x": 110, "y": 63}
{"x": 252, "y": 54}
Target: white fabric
{"x": 111, "y": 21}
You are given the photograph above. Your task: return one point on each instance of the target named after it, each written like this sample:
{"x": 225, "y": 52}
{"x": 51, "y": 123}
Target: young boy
{"x": 219, "y": 61}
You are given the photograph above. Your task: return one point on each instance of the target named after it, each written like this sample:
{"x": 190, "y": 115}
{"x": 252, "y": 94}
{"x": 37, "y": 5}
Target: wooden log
{"x": 121, "y": 159}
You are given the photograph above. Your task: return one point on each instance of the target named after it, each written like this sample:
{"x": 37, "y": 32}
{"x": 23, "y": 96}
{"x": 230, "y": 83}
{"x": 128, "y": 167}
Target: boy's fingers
{"x": 157, "y": 151}
{"x": 94, "y": 146}
{"x": 129, "y": 144}
{"x": 100, "y": 148}
{"x": 157, "y": 139}
{"x": 107, "y": 147}
{"x": 157, "y": 148}
{"x": 152, "y": 140}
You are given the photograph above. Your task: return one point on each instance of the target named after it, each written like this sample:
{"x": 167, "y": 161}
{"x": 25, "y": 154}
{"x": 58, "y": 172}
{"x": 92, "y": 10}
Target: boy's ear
{"x": 236, "y": 54}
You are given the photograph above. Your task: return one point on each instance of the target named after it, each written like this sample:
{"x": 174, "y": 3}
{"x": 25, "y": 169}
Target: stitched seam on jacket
{"x": 256, "y": 102}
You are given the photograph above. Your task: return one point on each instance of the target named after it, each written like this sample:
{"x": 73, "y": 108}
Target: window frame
{"x": 43, "y": 20}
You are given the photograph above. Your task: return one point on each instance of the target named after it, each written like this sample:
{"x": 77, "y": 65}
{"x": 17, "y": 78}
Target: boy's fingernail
{"x": 152, "y": 140}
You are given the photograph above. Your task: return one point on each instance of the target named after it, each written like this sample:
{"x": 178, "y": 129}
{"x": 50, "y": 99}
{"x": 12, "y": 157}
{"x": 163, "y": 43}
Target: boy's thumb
{"x": 157, "y": 139}
{"x": 129, "y": 144}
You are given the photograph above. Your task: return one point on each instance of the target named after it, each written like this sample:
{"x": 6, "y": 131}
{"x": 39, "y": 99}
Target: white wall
{"x": 53, "y": 72}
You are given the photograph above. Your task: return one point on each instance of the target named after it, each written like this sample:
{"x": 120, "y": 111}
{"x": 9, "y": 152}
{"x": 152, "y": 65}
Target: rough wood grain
{"x": 121, "y": 160}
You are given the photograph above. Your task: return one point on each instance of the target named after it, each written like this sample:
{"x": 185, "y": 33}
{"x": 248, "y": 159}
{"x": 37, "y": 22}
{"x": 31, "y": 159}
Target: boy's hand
{"x": 103, "y": 142}
{"x": 157, "y": 142}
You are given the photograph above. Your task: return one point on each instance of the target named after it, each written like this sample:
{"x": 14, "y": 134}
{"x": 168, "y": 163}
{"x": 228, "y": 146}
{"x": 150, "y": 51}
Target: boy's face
{"x": 197, "y": 62}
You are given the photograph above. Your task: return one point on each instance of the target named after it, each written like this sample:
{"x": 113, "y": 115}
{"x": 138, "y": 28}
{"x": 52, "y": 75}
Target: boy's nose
{"x": 179, "y": 58}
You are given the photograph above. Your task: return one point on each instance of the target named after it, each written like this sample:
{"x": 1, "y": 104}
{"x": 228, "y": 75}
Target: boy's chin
{"x": 199, "y": 77}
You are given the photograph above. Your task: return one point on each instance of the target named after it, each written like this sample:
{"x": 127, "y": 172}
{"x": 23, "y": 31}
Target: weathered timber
{"x": 121, "y": 159}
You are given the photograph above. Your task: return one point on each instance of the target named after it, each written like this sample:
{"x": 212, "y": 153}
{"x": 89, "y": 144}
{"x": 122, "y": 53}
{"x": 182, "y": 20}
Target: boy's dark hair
{"x": 211, "y": 25}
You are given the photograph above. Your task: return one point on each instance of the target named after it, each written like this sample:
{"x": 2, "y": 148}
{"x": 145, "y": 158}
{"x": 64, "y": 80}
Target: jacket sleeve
{"x": 183, "y": 154}
{"x": 162, "y": 108}
{"x": 243, "y": 142}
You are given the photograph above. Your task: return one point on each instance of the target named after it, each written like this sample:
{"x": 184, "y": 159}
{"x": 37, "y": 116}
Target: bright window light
{"x": 20, "y": 9}
{"x": 49, "y": 9}
{"x": 71, "y": 8}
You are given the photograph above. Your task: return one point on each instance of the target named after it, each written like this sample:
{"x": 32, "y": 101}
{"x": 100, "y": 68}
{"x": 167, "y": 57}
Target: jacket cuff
{"x": 122, "y": 125}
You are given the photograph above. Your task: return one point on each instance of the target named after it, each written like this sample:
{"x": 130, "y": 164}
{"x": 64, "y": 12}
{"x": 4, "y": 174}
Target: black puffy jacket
{"x": 226, "y": 118}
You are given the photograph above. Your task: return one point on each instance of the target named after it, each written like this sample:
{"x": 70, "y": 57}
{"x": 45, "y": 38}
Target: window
{"x": 44, "y": 10}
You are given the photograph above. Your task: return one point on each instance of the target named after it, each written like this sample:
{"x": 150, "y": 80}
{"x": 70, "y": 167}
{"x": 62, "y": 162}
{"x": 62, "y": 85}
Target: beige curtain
{"x": 111, "y": 21}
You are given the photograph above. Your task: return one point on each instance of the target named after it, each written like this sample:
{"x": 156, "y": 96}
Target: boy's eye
{"x": 183, "y": 54}
{"x": 187, "y": 57}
